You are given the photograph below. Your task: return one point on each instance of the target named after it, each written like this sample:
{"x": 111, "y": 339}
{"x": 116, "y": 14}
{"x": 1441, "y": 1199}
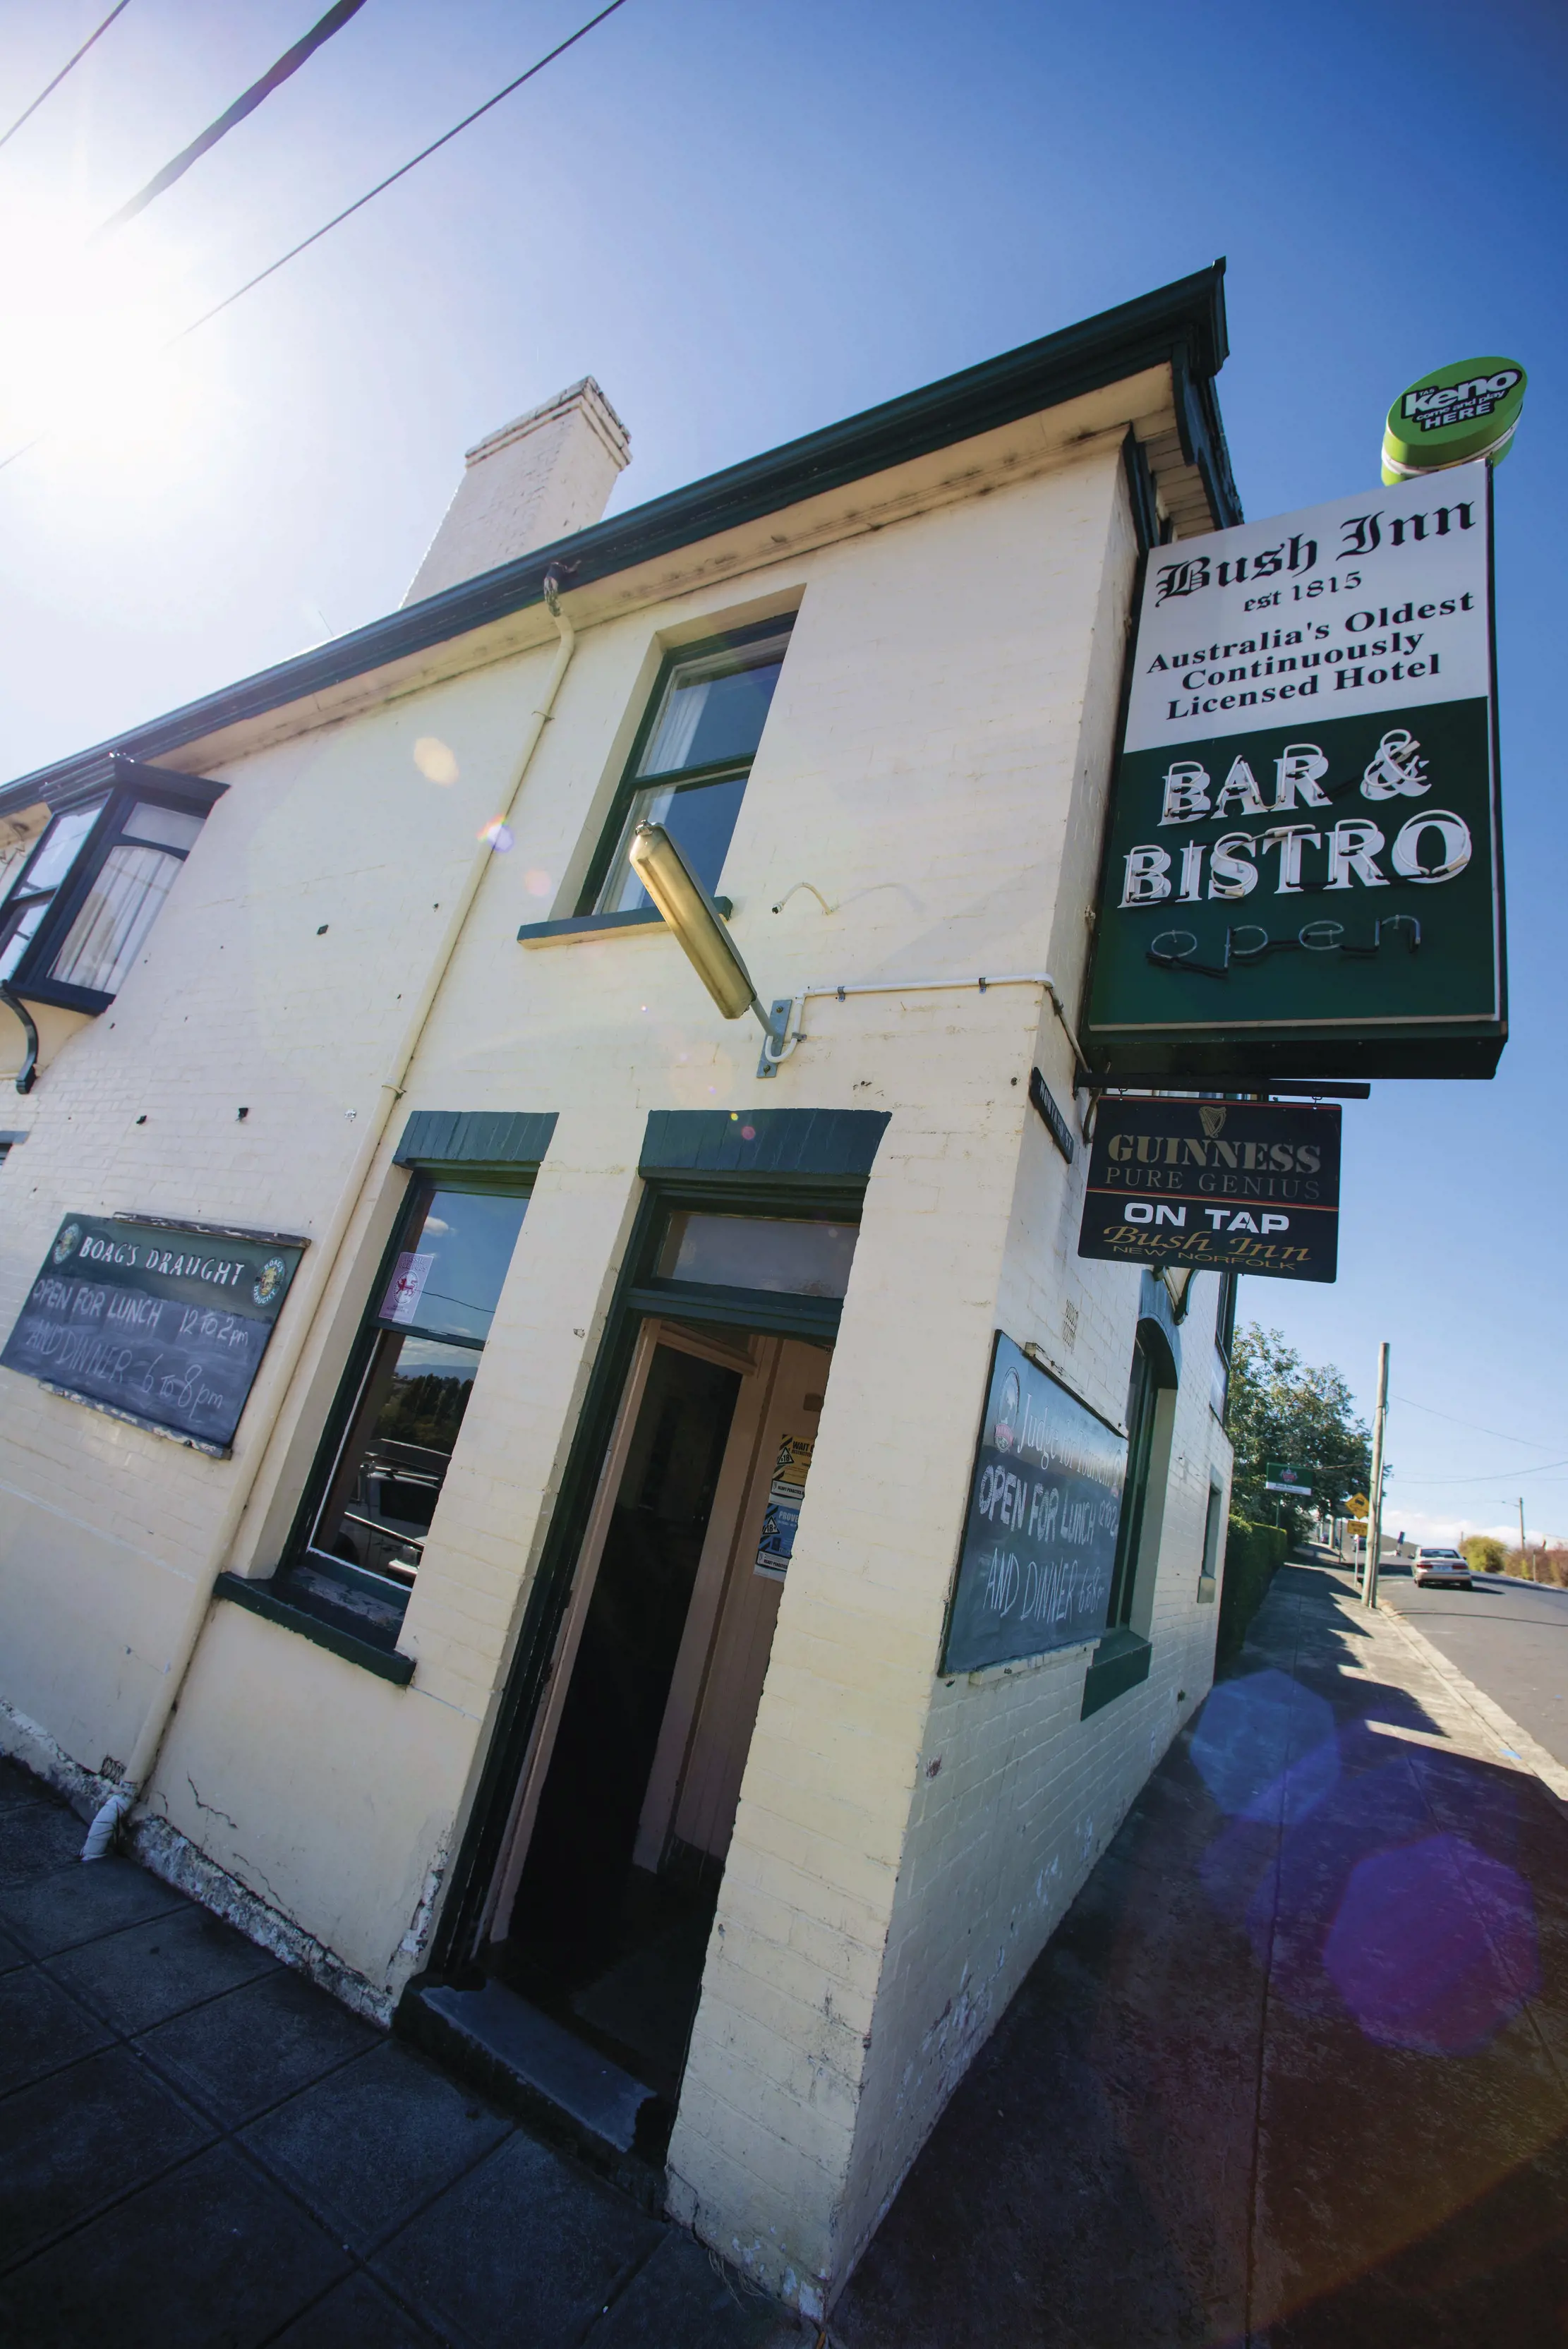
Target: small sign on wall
{"x": 782, "y": 1517}
{"x": 1221, "y": 1186}
{"x": 164, "y": 1325}
{"x": 1040, "y": 1535}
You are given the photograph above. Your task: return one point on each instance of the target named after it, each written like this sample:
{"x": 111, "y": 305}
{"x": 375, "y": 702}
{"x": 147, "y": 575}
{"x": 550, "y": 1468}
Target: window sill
{"x": 1121, "y": 1662}
{"x": 295, "y": 1613}
{"x": 599, "y": 926}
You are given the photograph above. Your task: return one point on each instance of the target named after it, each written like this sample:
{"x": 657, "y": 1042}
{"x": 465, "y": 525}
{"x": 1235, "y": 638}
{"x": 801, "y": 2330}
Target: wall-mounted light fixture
{"x": 1177, "y": 1280}
{"x": 700, "y": 928}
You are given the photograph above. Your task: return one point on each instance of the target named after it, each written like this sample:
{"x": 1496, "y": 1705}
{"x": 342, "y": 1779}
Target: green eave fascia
{"x": 1181, "y": 325}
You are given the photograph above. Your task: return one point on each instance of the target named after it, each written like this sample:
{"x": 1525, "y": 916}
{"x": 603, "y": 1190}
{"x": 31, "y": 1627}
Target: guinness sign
{"x": 1222, "y": 1186}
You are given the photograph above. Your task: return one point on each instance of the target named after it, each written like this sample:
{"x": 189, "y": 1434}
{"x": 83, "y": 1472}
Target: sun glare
{"x": 83, "y": 357}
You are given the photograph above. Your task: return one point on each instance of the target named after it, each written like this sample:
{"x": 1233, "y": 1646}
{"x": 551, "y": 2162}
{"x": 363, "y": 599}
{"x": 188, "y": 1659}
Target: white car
{"x": 1446, "y": 1565}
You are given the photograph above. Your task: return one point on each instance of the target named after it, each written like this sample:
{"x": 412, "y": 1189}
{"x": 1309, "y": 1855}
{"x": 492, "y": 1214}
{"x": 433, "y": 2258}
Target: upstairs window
{"x": 78, "y": 912}
{"x": 689, "y": 765}
{"x": 34, "y": 890}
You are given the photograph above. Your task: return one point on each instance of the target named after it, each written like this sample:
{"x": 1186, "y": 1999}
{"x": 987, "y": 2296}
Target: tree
{"x": 1283, "y": 1408}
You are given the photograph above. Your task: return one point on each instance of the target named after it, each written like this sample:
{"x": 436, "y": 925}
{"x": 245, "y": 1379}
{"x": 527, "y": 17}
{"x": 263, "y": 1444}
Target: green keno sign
{"x": 1302, "y": 874}
{"x": 1458, "y": 413}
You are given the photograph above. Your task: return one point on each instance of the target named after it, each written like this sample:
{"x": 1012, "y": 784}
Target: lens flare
{"x": 436, "y": 759}
{"x": 537, "y": 882}
{"x": 1265, "y": 1747}
{"x": 1434, "y": 1946}
{"x": 497, "y": 833}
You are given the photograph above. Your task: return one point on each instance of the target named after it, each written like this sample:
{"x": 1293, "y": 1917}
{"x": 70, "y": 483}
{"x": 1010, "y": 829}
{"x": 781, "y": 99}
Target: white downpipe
{"x": 792, "y": 1035}
{"x": 144, "y": 1754}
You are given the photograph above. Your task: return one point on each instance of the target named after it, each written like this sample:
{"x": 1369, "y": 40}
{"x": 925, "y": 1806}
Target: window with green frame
{"x": 78, "y": 911}
{"x": 690, "y": 763}
{"x": 391, "y": 1435}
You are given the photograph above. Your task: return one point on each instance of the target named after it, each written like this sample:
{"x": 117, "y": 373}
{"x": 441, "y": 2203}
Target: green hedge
{"x": 1253, "y": 1556}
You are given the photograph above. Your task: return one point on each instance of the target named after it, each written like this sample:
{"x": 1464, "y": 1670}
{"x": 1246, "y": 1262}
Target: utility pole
{"x": 1523, "y": 1554}
{"x": 1375, "y": 1498}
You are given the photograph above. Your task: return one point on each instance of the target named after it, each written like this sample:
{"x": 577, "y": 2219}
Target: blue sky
{"x": 748, "y": 221}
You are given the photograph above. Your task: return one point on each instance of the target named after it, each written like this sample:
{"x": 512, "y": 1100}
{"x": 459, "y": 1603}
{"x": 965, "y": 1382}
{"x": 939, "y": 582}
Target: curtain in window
{"x": 121, "y": 906}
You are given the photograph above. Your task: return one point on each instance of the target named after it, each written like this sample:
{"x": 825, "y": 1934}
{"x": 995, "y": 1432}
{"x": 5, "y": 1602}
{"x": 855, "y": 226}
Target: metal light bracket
{"x": 777, "y": 1041}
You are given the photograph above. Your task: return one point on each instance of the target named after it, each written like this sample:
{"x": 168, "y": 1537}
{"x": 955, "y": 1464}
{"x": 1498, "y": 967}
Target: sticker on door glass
{"x": 782, "y": 1512}
{"x": 407, "y": 1286}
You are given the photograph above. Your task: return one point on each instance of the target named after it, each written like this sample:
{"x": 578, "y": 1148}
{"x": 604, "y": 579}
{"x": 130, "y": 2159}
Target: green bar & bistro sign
{"x": 1303, "y": 873}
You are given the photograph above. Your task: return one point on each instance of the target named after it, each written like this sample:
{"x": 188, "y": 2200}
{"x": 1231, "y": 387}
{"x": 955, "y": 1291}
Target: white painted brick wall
{"x": 931, "y": 764}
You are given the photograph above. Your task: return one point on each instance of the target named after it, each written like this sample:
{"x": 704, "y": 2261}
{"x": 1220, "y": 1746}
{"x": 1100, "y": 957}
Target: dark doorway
{"x": 613, "y": 1949}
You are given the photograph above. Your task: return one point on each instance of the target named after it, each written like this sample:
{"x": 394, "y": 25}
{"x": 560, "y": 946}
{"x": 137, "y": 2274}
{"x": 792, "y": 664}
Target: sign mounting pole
{"x": 1374, "y": 1512}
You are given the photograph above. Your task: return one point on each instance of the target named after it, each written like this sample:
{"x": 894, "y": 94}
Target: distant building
{"x": 566, "y": 1619}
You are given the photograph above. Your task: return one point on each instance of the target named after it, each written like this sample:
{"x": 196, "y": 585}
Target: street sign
{"x": 1452, "y": 415}
{"x": 1301, "y": 872}
{"x": 1230, "y": 1186}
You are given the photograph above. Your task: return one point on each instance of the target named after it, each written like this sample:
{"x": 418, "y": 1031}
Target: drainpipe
{"x": 144, "y": 1756}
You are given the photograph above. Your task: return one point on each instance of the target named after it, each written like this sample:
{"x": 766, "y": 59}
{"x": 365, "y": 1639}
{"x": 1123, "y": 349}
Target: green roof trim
{"x": 1182, "y": 324}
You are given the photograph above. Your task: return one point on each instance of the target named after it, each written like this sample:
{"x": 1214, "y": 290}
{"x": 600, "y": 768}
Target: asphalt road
{"x": 1510, "y": 1638}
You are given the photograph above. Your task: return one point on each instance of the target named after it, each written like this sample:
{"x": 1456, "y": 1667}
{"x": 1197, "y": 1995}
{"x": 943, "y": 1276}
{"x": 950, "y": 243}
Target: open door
{"x": 605, "y": 1900}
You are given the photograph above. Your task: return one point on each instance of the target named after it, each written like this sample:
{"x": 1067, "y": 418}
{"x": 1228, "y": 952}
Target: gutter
{"x": 1181, "y": 325}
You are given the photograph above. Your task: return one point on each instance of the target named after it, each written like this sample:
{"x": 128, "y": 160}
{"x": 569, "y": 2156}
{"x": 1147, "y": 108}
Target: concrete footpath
{"x": 1294, "y": 2070}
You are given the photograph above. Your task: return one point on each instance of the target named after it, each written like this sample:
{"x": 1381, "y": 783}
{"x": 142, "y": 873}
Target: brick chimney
{"x": 540, "y": 478}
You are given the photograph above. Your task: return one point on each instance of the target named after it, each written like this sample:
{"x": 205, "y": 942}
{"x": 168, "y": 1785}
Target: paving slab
{"x": 146, "y": 1973}
{"x": 212, "y": 2257}
{"x": 83, "y": 1903}
{"x": 75, "y": 2141}
{"x": 526, "y": 2249}
{"x": 373, "y": 2143}
{"x": 42, "y": 2028}
{"x": 357, "y": 2315}
{"x": 239, "y": 2054}
{"x": 683, "y": 2298}
{"x": 38, "y": 1837}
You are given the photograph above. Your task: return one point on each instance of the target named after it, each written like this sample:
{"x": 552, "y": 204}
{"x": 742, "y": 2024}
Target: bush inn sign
{"x": 1222, "y": 1186}
{"x": 1303, "y": 874}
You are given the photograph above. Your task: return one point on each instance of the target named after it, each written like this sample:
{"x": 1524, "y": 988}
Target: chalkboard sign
{"x": 164, "y": 1325}
{"x": 1040, "y": 1539}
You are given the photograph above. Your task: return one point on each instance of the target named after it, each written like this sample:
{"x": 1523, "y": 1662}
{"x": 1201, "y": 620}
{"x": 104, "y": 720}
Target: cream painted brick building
{"x": 397, "y": 1671}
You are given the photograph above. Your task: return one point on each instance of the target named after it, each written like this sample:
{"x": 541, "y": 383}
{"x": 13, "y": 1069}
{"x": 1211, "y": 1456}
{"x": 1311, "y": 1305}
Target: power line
{"x": 392, "y": 177}
{"x": 1495, "y": 1477}
{"x": 349, "y": 210}
{"x": 247, "y": 103}
{"x": 50, "y": 86}
{"x": 1533, "y": 1443}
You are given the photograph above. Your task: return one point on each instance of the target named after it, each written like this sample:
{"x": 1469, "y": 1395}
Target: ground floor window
{"x": 410, "y": 1379}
